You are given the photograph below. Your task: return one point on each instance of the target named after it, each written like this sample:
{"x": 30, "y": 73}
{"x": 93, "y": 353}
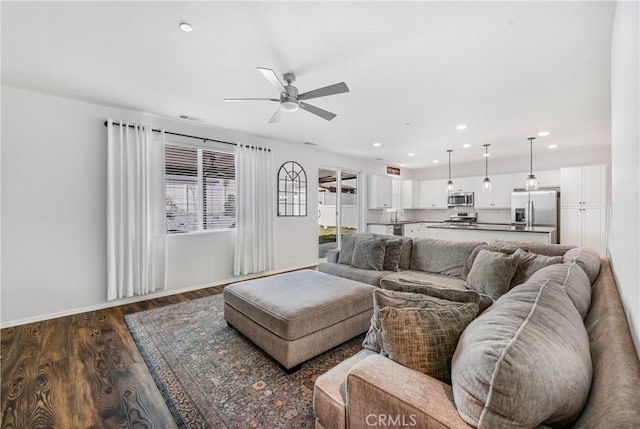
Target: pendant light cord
{"x": 450, "y": 150}
{"x": 531, "y": 155}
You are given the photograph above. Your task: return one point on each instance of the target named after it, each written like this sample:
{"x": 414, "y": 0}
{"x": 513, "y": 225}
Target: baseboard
{"x": 158, "y": 294}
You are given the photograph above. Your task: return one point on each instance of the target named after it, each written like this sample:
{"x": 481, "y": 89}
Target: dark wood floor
{"x": 82, "y": 371}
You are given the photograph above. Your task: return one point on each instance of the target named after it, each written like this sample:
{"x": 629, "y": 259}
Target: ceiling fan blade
{"x": 251, "y": 99}
{"x": 276, "y": 116}
{"x": 271, "y": 76}
{"x": 337, "y": 88}
{"x": 318, "y": 111}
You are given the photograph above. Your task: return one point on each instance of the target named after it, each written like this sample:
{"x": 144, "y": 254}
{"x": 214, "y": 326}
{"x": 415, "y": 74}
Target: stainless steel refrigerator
{"x": 536, "y": 208}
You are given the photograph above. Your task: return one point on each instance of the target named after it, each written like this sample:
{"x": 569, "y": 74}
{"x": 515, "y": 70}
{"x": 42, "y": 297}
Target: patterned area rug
{"x": 213, "y": 377}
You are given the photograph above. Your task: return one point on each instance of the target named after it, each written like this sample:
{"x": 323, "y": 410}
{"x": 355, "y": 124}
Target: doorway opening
{"x": 338, "y": 207}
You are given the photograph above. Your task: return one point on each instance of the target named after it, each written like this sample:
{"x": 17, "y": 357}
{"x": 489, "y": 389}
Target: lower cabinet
{"x": 584, "y": 226}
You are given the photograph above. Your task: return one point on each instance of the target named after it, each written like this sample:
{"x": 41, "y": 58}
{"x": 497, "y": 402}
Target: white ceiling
{"x": 415, "y": 69}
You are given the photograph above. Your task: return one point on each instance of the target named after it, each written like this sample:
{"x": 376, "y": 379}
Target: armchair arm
{"x": 332, "y": 255}
{"x": 381, "y": 392}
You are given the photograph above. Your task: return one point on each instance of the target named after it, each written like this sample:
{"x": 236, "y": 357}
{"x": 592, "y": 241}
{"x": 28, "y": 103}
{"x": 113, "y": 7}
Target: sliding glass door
{"x": 339, "y": 207}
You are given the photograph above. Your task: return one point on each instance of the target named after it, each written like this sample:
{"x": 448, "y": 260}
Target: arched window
{"x": 292, "y": 190}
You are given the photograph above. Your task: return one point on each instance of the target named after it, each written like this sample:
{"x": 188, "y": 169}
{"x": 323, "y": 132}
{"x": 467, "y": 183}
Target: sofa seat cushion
{"x": 329, "y": 392}
{"x": 524, "y": 362}
{"x": 371, "y": 277}
{"x": 402, "y": 284}
{"x": 413, "y": 276}
{"x": 441, "y": 256}
{"x": 588, "y": 260}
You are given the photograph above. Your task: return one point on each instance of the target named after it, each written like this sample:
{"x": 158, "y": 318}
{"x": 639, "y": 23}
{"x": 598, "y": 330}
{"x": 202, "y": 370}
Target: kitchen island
{"x": 467, "y": 232}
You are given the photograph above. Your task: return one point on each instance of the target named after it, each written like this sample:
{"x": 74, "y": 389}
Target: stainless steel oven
{"x": 460, "y": 199}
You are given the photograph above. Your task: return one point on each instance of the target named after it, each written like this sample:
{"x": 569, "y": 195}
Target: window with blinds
{"x": 201, "y": 189}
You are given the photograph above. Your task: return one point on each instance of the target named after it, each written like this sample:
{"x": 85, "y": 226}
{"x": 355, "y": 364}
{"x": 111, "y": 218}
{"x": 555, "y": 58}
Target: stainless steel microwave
{"x": 460, "y": 199}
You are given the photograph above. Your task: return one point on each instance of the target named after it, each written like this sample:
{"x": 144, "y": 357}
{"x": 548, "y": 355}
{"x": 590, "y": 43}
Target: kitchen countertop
{"x": 477, "y": 226}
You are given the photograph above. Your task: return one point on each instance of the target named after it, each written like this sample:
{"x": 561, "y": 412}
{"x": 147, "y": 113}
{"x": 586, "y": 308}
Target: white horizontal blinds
{"x": 200, "y": 187}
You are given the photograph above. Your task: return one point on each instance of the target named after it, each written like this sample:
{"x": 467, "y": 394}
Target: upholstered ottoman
{"x": 296, "y": 316}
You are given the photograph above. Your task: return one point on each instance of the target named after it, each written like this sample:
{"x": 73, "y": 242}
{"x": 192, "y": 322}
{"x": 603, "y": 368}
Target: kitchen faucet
{"x": 394, "y": 216}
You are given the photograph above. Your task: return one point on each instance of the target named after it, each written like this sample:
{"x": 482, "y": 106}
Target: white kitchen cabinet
{"x": 410, "y": 194}
{"x": 584, "y": 226}
{"x": 546, "y": 179}
{"x": 380, "y": 229}
{"x": 500, "y": 195}
{"x": 584, "y": 185}
{"x": 583, "y": 207}
{"x": 379, "y": 191}
{"x": 465, "y": 184}
{"x": 433, "y": 194}
{"x": 396, "y": 193}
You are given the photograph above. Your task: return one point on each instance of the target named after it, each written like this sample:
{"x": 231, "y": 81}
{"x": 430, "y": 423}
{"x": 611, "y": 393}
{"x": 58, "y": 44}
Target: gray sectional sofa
{"x": 553, "y": 349}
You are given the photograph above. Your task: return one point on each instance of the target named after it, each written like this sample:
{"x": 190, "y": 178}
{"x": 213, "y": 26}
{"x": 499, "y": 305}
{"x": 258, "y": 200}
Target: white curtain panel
{"x": 136, "y": 237}
{"x": 255, "y": 211}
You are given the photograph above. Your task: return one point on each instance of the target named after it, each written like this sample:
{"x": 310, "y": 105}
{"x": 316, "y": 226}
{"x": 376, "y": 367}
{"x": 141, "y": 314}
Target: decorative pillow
{"x": 368, "y": 254}
{"x": 405, "y": 253}
{"x": 346, "y": 249}
{"x": 392, "y": 249}
{"x": 573, "y": 280}
{"x": 441, "y": 256}
{"x": 430, "y": 289}
{"x": 529, "y": 263}
{"x": 389, "y": 298}
{"x": 588, "y": 260}
{"x": 506, "y": 248}
{"x": 492, "y": 272}
{"x": 525, "y": 362}
{"x": 425, "y": 339}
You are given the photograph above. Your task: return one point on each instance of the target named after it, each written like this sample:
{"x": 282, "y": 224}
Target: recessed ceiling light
{"x": 401, "y": 165}
{"x": 543, "y": 133}
{"x": 377, "y": 144}
{"x": 553, "y": 146}
{"x": 186, "y": 27}
{"x": 411, "y": 154}
{"x": 461, "y": 127}
{"x": 466, "y": 145}
{"x": 435, "y": 161}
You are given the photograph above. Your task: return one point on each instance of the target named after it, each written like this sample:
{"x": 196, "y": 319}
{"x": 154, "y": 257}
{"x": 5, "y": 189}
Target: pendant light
{"x": 532, "y": 182}
{"x": 486, "y": 182}
{"x": 450, "y": 182}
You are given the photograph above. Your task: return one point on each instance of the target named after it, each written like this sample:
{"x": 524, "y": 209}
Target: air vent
{"x": 190, "y": 118}
{"x": 379, "y": 159}
{"x": 311, "y": 144}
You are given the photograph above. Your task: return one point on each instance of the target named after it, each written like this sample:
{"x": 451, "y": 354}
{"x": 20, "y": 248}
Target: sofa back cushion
{"x": 540, "y": 248}
{"x": 441, "y": 256}
{"x": 572, "y": 279}
{"x": 529, "y": 263}
{"x": 524, "y": 362}
{"x": 588, "y": 260}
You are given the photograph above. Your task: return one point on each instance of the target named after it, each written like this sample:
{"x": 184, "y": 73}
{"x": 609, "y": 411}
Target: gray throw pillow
{"x": 492, "y": 272}
{"x": 428, "y": 288}
{"x": 441, "y": 256}
{"x": 525, "y": 362}
{"x": 529, "y": 263}
{"x": 425, "y": 339}
{"x": 389, "y": 298}
{"x": 506, "y": 248}
{"x": 392, "y": 249}
{"x": 346, "y": 249}
{"x": 368, "y": 254}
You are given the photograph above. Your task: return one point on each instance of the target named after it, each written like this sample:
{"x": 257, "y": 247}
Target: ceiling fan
{"x": 290, "y": 100}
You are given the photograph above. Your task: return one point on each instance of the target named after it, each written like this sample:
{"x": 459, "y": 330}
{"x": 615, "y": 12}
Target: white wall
{"x": 625, "y": 159}
{"x": 54, "y": 208}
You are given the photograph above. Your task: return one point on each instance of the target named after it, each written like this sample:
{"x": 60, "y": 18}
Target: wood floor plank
{"x": 82, "y": 371}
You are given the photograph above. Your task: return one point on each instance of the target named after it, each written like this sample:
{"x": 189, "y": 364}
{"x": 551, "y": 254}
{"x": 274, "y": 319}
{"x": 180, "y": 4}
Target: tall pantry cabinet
{"x": 583, "y": 200}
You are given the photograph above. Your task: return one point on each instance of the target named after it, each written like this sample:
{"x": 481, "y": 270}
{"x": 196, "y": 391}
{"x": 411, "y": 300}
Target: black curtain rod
{"x": 206, "y": 139}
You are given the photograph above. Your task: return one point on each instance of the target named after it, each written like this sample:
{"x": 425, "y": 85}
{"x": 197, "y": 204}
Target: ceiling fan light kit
{"x": 290, "y": 100}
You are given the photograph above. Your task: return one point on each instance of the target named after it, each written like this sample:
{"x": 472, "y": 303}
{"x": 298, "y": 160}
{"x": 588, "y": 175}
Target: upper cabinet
{"x": 380, "y": 192}
{"x": 546, "y": 179}
{"x": 464, "y": 184}
{"x": 410, "y": 194}
{"x": 433, "y": 194}
{"x": 500, "y": 195}
{"x": 584, "y": 185}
